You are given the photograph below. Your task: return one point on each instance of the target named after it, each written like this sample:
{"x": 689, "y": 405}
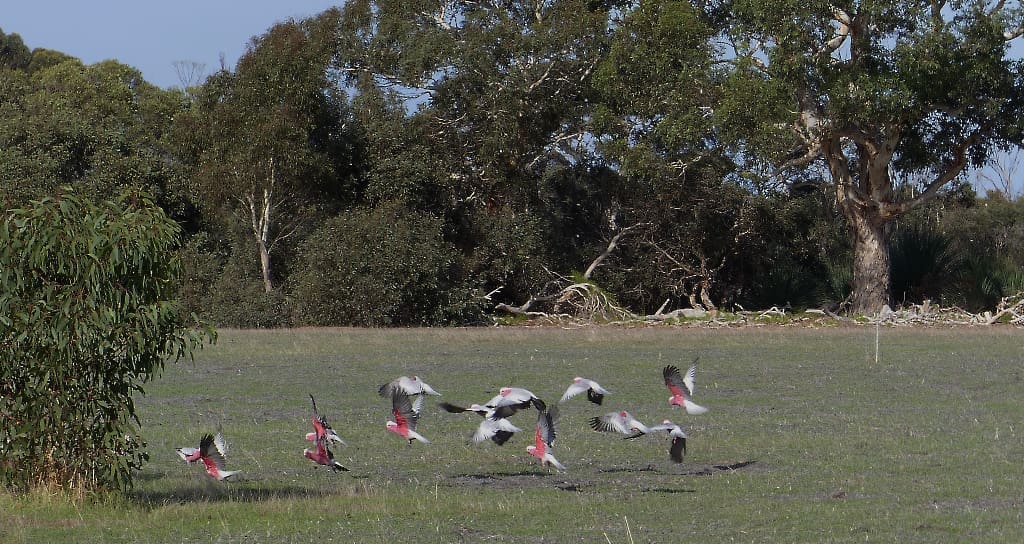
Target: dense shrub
{"x": 507, "y": 252}
{"x": 377, "y": 267}
{"x": 923, "y": 263}
{"x": 87, "y": 316}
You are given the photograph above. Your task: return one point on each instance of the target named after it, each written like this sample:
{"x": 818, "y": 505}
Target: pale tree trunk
{"x": 259, "y": 214}
{"x": 866, "y": 202}
{"x": 870, "y": 260}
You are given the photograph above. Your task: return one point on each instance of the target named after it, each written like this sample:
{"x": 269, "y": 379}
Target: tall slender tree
{"x": 273, "y": 141}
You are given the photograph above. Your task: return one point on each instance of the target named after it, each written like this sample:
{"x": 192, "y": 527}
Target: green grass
{"x": 807, "y": 440}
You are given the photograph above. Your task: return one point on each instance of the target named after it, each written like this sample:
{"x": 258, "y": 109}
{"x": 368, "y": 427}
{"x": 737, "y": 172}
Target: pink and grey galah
{"x": 498, "y": 431}
{"x": 682, "y": 388}
{"x": 406, "y": 418}
{"x": 211, "y": 452}
{"x": 322, "y": 428}
{"x": 619, "y": 422}
{"x": 510, "y": 400}
{"x": 189, "y": 455}
{"x": 595, "y": 393}
{"x": 322, "y": 434}
{"x": 544, "y": 438}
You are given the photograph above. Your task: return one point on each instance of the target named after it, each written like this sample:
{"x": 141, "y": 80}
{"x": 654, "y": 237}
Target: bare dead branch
{"x": 612, "y": 244}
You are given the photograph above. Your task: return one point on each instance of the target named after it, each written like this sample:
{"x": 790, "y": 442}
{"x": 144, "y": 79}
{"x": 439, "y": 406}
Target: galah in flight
{"x": 212, "y": 451}
{"x": 677, "y": 449}
{"x": 322, "y": 429}
{"x": 191, "y": 455}
{"x": 543, "y": 439}
{"x": 404, "y": 424}
{"x": 619, "y": 422}
{"x": 682, "y": 388}
{"x": 321, "y": 435}
{"x": 496, "y": 429}
{"x": 322, "y": 455}
{"x": 510, "y": 400}
{"x": 595, "y": 393}
{"x": 407, "y": 385}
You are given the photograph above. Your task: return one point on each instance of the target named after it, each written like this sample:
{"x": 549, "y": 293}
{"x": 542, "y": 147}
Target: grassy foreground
{"x": 807, "y": 440}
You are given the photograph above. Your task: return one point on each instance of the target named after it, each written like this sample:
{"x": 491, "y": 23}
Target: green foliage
{"x": 224, "y": 286}
{"x": 97, "y": 127}
{"x": 526, "y": 135}
{"x": 923, "y": 263}
{"x": 385, "y": 266}
{"x": 272, "y": 147}
{"x": 507, "y": 83}
{"x": 14, "y": 54}
{"x": 508, "y": 253}
{"x": 656, "y": 89}
{"x": 983, "y": 282}
{"x": 278, "y": 110}
{"x": 87, "y": 317}
{"x": 960, "y": 250}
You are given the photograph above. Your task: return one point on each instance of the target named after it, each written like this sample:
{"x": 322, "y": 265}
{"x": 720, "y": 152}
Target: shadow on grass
{"x": 222, "y": 494}
{"x": 667, "y": 490}
{"x": 695, "y": 471}
{"x": 630, "y": 470}
{"x": 707, "y": 471}
{"x": 242, "y": 488}
{"x": 500, "y": 475}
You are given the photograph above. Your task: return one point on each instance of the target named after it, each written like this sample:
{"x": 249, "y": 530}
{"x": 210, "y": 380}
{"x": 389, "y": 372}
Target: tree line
{"x": 428, "y": 163}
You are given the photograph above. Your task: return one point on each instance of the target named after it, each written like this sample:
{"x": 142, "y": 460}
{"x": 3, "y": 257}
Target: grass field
{"x": 807, "y": 440}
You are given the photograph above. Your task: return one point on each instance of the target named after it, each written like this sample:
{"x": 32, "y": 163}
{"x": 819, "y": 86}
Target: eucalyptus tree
{"x": 504, "y": 84}
{"x": 657, "y": 91}
{"x": 14, "y": 54}
{"x": 500, "y": 94}
{"x": 272, "y": 142}
{"x": 97, "y": 127}
{"x": 888, "y": 103}
{"x": 87, "y": 317}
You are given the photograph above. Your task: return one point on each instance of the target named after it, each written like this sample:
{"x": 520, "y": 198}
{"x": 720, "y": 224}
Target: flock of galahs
{"x": 407, "y": 395}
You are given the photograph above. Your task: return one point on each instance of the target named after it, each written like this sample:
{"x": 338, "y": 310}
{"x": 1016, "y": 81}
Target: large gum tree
{"x": 887, "y": 103}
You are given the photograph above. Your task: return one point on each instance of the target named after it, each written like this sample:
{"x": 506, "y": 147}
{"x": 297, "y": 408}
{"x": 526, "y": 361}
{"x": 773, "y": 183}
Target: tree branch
{"x": 608, "y": 250}
{"x": 956, "y": 166}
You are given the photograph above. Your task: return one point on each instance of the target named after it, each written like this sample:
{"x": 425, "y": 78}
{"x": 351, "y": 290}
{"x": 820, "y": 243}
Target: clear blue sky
{"x": 151, "y": 34}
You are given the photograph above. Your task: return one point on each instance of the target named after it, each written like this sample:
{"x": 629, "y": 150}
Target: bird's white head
{"x": 391, "y": 425}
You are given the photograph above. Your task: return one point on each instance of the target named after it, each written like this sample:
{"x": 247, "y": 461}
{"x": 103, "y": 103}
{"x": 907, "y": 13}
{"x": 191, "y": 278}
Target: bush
{"x": 923, "y": 263}
{"x": 87, "y": 317}
{"x": 238, "y": 299}
{"x": 385, "y": 266}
